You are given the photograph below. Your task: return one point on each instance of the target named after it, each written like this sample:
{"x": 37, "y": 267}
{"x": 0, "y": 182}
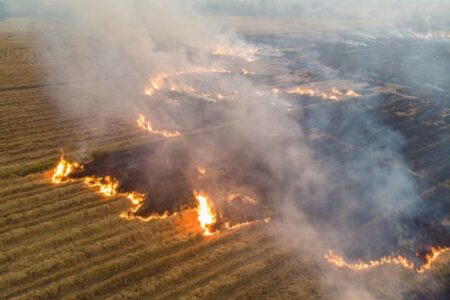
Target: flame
{"x": 352, "y": 93}
{"x": 302, "y": 91}
{"x": 432, "y": 256}
{"x": 159, "y": 81}
{"x": 201, "y": 171}
{"x": 246, "y": 53}
{"x": 247, "y": 72}
{"x": 239, "y": 225}
{"x": 63, "y": 169}
{"x": 340, "y": 262}
{"x": 334, "y": 94}
{"x": 136, "y": 198}
{"x": 107, "y": 186}
{"x": 149, "y": 91}
{"x": 206, "y": 215}
{"x": 146, "y": 125}
{"x": 130, "y": 215}
{"x": 185, "y": 89}
{"x": 235, "y": 226}
{"x": 233, "y": 197}
{"x": 329, "y": 96}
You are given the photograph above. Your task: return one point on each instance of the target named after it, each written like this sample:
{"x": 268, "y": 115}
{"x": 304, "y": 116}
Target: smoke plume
{"x": 358, "y": 197}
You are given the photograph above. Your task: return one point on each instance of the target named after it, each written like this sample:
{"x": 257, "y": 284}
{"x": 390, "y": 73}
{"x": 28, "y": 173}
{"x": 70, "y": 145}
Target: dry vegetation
{"x": 68, "y": 241}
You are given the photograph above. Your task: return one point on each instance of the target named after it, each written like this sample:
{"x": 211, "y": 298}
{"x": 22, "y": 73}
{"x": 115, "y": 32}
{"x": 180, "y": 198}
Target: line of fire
{"x": 225, "y": 197}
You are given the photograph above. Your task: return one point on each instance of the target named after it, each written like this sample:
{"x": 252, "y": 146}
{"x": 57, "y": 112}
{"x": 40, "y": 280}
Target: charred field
{"x": 69, "y": 239}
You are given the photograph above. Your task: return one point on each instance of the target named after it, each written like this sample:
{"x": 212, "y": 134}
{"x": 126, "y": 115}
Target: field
{"x": 68, "y": 241}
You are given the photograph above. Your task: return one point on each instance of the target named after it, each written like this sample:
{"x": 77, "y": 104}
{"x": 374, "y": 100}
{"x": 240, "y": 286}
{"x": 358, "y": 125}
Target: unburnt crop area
{"x": 222, "y": 158}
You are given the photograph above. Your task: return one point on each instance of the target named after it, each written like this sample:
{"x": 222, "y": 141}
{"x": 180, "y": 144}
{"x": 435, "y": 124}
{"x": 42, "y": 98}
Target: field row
{"x": 68, "y": 241}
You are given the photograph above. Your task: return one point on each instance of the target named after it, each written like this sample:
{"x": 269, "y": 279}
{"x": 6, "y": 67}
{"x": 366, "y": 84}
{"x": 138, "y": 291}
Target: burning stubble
{"x": 350, "y": 184}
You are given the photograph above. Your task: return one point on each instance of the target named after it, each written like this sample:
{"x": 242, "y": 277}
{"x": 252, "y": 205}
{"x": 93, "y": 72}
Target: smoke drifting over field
{"x": 363, "y": 205}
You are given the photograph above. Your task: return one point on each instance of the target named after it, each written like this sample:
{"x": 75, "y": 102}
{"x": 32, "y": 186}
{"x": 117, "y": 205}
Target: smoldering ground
{"x": 357, "y": 196}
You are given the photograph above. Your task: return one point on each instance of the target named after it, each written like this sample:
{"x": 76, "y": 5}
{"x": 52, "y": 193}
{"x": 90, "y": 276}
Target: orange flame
{"x": 432, "y": 256}
{"x": 352, "y": 93}
{"x": 334, "y": 94}
{"x": 302, "y": 91}
{"x": 247, "y": 72}
{"x": 107, "y": 186}
{"x": 206, "y": 215}
{"x": 233, "y": 197}
{"x": 63, "y": 169}
{"x": 246, "y": 53}
{"x": 159, "y": 81}
{"x": 146, "y": 125}
{"x": 340, "y": 262}
{"x": 136, "y": 198}
{"x": 201, "y": 171}
{"x": 131, "y": 216}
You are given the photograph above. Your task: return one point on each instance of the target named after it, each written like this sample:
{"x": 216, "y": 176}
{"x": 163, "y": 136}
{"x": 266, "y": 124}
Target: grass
{"x": 67, "y": 241}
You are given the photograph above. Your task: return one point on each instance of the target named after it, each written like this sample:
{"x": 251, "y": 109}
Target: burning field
{"x": 220, "y": 157}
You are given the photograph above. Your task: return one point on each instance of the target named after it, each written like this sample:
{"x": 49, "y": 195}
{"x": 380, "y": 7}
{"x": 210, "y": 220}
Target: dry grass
{"x": 66, "y": 240}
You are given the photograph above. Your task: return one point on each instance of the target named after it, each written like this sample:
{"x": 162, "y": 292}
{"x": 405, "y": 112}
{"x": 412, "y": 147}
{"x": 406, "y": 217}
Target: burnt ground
{"x": 168, "y": 175}
{"x": 410, "y": 111}
{"x": 416, "y": 112}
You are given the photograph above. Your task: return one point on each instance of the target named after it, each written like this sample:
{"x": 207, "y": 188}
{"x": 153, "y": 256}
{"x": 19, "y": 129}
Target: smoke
{"x": 357, "y": 196}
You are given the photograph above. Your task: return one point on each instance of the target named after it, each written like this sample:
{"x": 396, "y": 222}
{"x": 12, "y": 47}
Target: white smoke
{"x": 111, "y": 48}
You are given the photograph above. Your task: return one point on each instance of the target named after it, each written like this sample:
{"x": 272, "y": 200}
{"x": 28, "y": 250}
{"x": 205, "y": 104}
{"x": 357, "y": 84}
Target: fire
{"x": 302, "y": 91}
{"x": 159, "y": 81}
{"x": 329, "y": 96}
{"x": 136, "y": 198}
{"x": 246, "y": 53}
{"x": 340, "y": 262}
{"x": 230, "y": 227}
{"x": 63, "y": 169}
{"x": 247, "y": 72}
{"x": 149, "y": 91}
{"x": 432, "y": 256}
{"x": 206, "y": 214}
{"x": 146, "y": 125}
{"x": 130, "y": 215}
{"x": 201, "y": 171}
{"x": 334, "y": 94}
{"x": 107, "y": 186}
{"x": 234, "y": 197}
{"x": 352, "y": 93}
{"x": 184, "y": 89}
